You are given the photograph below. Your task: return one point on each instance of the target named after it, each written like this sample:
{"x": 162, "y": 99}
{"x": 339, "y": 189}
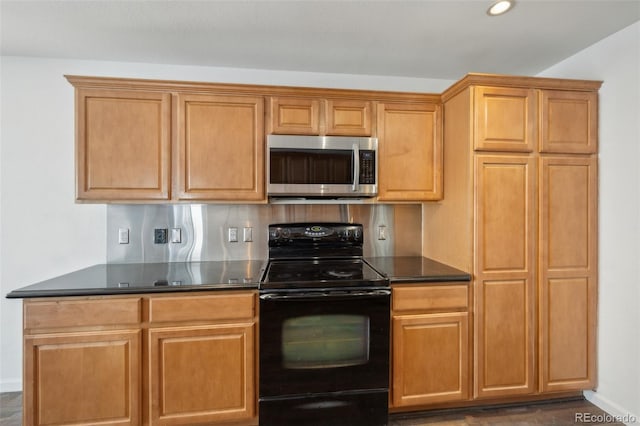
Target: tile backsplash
{"x": 204, "y": 229}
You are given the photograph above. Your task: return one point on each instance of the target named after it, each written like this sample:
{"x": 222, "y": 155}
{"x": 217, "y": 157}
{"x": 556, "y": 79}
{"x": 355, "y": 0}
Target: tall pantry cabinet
{"x": 520, "y": 210}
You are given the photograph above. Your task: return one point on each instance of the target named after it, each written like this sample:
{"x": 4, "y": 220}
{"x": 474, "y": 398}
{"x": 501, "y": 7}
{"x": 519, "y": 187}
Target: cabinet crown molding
{"x": 499, "y": 80}
{"x": 87, "y": 82}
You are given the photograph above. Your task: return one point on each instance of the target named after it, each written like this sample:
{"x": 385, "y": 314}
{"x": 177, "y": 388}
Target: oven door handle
{"x": 325, "y": 294}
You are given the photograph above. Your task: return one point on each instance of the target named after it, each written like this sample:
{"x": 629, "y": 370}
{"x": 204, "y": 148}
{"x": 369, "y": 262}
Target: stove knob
{"x": 286, "y": 233}
{"x": 274, "y": 234}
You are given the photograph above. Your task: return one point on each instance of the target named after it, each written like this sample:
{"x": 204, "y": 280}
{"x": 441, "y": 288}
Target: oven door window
{"x": 325, "y": 341}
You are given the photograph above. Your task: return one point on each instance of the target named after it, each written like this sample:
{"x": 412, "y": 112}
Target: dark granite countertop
{"x": 126, "y": 278}
{"x": 410, "y": 269}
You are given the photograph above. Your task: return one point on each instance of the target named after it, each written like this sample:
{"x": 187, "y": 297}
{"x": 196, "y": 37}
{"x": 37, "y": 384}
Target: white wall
{"x": 43, "y": 232}
{"x": 616, "y": 61}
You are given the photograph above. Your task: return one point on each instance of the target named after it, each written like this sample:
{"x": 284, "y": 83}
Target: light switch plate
{"x": 123, "y": 236}
{"x": 382, "y": 232}
{"x": 176, "y": 235}
{"x": 247, "y": 235}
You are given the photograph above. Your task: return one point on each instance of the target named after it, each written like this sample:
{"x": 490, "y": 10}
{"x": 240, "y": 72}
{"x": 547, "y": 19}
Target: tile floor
{"x": 544, "y": 414}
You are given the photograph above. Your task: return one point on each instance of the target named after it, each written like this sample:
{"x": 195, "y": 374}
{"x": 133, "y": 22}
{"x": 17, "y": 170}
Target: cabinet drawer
{"x": 430, "y": 297}
{"x": 85, "y": 313}
{"x": 202, "y": 308}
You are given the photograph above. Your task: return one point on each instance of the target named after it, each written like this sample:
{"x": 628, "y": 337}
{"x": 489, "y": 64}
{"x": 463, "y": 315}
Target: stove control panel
{"x": 320, "y": 233}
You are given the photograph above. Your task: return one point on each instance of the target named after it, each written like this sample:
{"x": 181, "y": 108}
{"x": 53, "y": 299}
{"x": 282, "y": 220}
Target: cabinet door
{"x": 122, "y": 145}
{"x": 82, "y": 378}
{"x": 504, "y": 119}
{"x": 504, "y": 268}
{"x": 220, "y": 148}
{"x": 348, "y": 118}
{"x": 430, "y": 359}
{"x": 568, "y": 122}
{"x": 202, "y": 374}
{"x": 568, "y": 273}
{"x": 295, "y": 116}
{"x": 410, "y": 152}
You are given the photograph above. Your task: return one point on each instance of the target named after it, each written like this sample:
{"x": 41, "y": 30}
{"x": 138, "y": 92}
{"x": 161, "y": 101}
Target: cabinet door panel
{"x": 220, "y": 148}
{"x": 505, "y": 212}
{"x": 348, "y": 118}
{"x": 122, "y": 145}
{"x": 430, "y": 359}
{"x": 295, "y": 116}
{"x": 505, "y": 338}
{"x": 568, "y": 122}
{"x": 202, "y": 374}
{"x": 568, "y": 273}
{"x": 504, "y": 119}
{"x": 82, "y": 378}
{"x": 410, "y": 152}
{"x": 505, "y": 272}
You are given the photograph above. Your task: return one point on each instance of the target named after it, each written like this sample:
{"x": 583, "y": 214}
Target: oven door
{"x": 315, "y": 342}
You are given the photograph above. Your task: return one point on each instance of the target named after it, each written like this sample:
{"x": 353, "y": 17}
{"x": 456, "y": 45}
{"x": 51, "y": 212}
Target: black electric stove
{"x": 324, "y": 329}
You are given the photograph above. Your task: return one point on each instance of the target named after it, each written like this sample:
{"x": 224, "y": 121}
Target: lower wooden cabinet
{"x": 152, "y": 360}
{"x": 430, "y": 358}
{"x": 82, "y": 378}
{"x": 201, "y": 374}
{"x": 430, "y": 353}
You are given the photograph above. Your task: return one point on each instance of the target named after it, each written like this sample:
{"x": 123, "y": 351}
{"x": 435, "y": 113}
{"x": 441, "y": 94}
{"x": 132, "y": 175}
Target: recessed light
{"x": 499, "y": 7}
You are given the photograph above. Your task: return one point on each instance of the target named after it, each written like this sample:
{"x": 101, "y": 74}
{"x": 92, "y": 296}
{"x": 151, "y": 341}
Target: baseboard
{"x": 617, "y": 412}
{"x": 11, "y": 386}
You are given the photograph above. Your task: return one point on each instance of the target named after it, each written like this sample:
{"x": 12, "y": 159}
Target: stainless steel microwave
{"x": 322, "y": 166}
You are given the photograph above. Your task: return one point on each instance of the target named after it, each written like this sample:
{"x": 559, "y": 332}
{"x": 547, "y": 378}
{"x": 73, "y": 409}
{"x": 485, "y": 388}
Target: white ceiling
{"x": 428, "y": 39}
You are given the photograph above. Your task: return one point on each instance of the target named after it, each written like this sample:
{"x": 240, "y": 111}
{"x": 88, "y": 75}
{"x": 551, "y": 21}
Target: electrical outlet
{"x": 160, "y": 235}
{"x": 233, "y": 235}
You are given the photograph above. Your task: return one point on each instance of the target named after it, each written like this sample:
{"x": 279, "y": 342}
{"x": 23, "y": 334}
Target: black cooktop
{"x": 320, "y": 273}
{"x": 318, "y": 255}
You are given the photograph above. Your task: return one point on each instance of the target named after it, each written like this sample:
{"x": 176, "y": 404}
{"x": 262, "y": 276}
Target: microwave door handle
{"x": 356, "y": 167}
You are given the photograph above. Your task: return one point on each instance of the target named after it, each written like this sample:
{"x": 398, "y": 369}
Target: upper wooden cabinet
{"x": 568, "y": 122}
{"x": 513, "y": 119}
{"x": 348, "y": 117}
{"x": 314, "y": 116}
{"x": 504, "y": 119}
{"x": 294, "y": 116}
{"x": 409, "y": 151}
{"x": 122, "y": 144}
{"x": 220, "y": 148}
{"x": 147, "y": 140}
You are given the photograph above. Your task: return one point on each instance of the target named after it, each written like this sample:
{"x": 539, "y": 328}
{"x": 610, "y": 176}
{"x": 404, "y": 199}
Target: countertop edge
{"x": 123, "y": 291}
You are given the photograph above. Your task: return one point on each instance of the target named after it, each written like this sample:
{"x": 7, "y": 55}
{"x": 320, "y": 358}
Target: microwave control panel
{"x": 367, "y": 167}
